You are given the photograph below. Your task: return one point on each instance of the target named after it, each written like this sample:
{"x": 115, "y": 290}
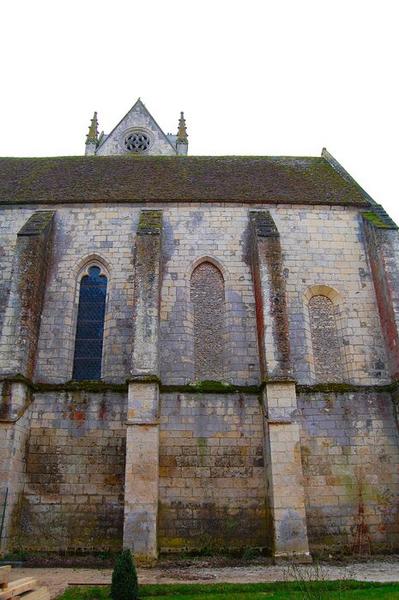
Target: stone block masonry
{"x": 142, "y": 471}
{"x": 383, "y": 253}
{"x": 270, "y": 294}
{"x": 245, "y": 351}
{"x": 19, "y": 335}
{"x": 142, "y": 449}
{"x": 350, "y": 456}
{"x": 192, "y": 235}
{"x": 319, "y": 245}
{"x": 9, "y": 227}
{"x": 18, "y": 345}
{"x": 75, "y": 468}
{"x": 15, "y": 414}
{"x": 148, "y": 464}
{"x": 147, "y": 263}
{"x": 211, "y": 474}
{"x": 80, "y": 236}
{"x": 284, "y": 477}
{"x": 285, "y": 481}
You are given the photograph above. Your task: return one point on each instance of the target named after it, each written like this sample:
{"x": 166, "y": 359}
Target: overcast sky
{"x": 278, "y": 77}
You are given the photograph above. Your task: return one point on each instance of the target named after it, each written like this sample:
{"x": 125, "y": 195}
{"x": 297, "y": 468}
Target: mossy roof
{"x": 83, "y": 179}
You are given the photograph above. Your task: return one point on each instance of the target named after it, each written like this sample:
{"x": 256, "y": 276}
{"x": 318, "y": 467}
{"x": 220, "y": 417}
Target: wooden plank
{"x": 17, "y": 587}
{"x": 4, "y": 575}
{"x": 23, "y": 581}
{"x": 39, "y": 594}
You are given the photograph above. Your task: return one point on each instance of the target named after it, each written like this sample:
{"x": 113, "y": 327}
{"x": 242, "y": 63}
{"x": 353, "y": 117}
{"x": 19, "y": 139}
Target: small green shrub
{"x": 124, "y": 578}
{"x": 251, "y": 553}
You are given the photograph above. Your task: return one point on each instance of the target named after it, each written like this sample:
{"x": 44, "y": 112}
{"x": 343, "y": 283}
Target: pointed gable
{"x": 137, "y": 132}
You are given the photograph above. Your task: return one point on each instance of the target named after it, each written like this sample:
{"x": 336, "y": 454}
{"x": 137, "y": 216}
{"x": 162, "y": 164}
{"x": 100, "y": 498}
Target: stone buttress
{"x": 142, "y": 437}
{"x": 18, "y": 346}
{"x": 284, "y": 474}
{"x": 382, "y": 243}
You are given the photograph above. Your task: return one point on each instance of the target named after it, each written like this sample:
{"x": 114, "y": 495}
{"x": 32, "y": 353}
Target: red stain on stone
{"x": 78, "y": 415}
{"x": 362, "y": 541}
{"x": 384, "y": 292}
{"x": 259, "y": 317}
{"x": 103, "y": 411}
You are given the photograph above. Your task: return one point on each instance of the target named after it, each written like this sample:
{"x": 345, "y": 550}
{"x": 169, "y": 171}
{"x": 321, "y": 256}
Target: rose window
{"x": 137, "y": 142}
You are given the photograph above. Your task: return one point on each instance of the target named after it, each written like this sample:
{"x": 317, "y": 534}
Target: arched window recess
{"x": 90, "y": 323}
{"x": 208, "y": 301}
{"x": 327, "y": 352}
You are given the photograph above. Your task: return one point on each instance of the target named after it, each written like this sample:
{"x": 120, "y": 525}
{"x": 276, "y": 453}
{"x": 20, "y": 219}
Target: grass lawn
{"x": 336, "y": 590}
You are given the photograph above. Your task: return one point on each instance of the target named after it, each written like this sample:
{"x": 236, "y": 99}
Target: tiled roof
{"x": 83, "y": 179}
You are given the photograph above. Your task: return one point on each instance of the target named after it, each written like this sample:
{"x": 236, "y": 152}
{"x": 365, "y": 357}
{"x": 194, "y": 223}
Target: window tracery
{"x": 137, "y": 141}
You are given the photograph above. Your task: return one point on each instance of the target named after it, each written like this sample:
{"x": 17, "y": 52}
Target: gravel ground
{"x": 58, "y": 579}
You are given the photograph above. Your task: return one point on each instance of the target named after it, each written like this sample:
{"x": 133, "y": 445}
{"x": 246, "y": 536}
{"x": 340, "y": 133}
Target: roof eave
{"x": 377, "y": 208}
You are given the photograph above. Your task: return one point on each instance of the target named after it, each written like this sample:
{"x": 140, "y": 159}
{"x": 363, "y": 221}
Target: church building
{"x": 196, "y": 352}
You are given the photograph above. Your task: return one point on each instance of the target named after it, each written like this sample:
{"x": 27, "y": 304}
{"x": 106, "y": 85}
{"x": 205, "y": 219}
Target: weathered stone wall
{"x": 75, "y": 461}
{"x": 271, "y": 298}
{"x": 81, "y": 235}
{"x": 350, "y": 456}
{"x": 285, "y": 481}
{"x": 142, "y": 436}
{"x": 15, "y": 416}
{"x": 147, "y": 280}
{"x": 193, "y": 233}
{"x": 10, "y": 224}
{"x": 383, "y": 254}
{"x": 22, "y": 317}
{"x": 326, "y": 247}
{"x": 319, "y": 246}
{"x": 212, "y": 482}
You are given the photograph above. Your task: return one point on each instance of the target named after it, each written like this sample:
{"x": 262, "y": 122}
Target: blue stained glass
{"x": 91, "y": 311}
{"x": 89, "y": 330}
{"x": 87, "y": 369}
{"x": 90, "y": 326}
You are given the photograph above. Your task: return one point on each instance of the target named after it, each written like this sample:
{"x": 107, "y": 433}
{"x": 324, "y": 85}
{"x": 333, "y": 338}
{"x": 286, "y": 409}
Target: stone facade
{"x": 74, "y": 477}
{"x": 211, "y": 479}
{"x": 249, "y": 378}
{"x": 349, "y": 445}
